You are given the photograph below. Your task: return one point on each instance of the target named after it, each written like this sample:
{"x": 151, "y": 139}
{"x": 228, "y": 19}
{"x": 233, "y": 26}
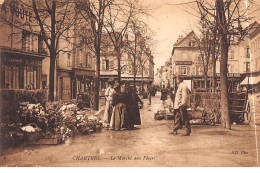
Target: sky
{"x": 169, "y": 20}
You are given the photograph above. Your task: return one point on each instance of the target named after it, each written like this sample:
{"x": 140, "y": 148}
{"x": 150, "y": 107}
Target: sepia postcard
{"x": 129, "y": 83}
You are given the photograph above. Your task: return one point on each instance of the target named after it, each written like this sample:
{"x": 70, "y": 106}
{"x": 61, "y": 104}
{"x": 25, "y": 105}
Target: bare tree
{"x": 116, "y": 23}
{"x": 93, "y": 12}
{"x": 205, "y": 44}
{"x": 227, "y": 17}
{"x": 139, "y": 36}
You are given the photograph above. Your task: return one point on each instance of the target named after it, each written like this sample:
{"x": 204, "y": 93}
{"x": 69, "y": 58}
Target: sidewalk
{"x": 150, "y": 145}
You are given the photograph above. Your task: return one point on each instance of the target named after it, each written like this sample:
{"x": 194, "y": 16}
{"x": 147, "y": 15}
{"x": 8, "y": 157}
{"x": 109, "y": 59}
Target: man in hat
{"x": 108, "y": 109}
{"x": 181, "y": 103}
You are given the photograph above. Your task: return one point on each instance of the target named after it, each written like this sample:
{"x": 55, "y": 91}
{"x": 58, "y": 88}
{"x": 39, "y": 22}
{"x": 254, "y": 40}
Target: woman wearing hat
{"x": 109, "y": 97}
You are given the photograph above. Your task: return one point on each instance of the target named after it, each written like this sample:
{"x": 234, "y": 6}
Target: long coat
{"x": 164, "y": 93}
{"x": 132, "y": 108}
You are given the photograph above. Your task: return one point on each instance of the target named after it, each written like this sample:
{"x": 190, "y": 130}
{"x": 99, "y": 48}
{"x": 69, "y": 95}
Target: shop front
{"x": 82, "y": 82}
{"x": 64, "y": 84}
{"x": 20, "y": 70}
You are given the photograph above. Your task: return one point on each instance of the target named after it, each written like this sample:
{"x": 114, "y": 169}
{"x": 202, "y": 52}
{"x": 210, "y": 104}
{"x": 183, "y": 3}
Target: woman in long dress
{"x": 132, "y": 108}
{"x": 108, "y": 108}
{"x": 119, "y": 111}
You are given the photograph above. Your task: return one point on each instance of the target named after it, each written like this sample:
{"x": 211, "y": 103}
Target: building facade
{"x": 109, "y": 66}
{"x": 186, "y": 61}
{"x": 25, "y": 60}
{"x": 22, "y": 50}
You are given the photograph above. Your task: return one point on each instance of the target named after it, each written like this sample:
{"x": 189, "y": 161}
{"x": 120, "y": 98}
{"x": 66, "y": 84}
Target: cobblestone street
{"x": 151, "y": 144}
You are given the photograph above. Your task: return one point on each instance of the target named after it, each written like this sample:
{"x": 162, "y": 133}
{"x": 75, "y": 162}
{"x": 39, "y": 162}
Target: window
{"x": 231, "y": 54}
{"x": 194, "y": 70}
{"x": 247, "y": 66}
{"x": 107, "y": 64}
{"x": 86, "y": 60}
{"x": 69, "y": 55}
{"x": 58, "y": 60}
{"x": 25, "y": 40}
{"x": 111, "y": 64}
{"x": 184, "y": 70}
{"x": 20, "y": 77}
{"x": 200, "y": 71}
{"x": 40, "y": 44}
{"x": 248, "y": 52}
{"x": 189, "y": 43}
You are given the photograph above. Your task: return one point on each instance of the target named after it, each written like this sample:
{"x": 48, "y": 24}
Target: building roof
{"x": 254, "y": 29}
{"x": 182, "y": 39}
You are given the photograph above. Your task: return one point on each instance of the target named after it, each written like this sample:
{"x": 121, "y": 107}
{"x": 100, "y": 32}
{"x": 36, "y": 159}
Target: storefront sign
{"x": 14, "y": 60}
{"x": 21, "y": 13}
{"x": 183, "y": 62}
{"x": 18, "y": 10}
{"x": 231, "y": 75}
{"x": 84, "y": 73}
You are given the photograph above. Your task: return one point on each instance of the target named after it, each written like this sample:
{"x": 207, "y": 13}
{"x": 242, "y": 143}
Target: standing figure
{"x": 180, "y": 108}
{"x": 108, "y": 108}
{"x": 132, "y": 108}
{"x": 119, "y": 108}
{"x": 150, "y": 94}
{"x": 164, "y": 93}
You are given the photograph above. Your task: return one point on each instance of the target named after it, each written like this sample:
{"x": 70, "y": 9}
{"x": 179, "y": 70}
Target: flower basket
{"x": 32, "y": 136}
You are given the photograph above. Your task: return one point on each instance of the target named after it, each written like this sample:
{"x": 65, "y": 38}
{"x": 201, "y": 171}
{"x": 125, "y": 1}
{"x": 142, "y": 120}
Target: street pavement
{"x": 151, "y": 144}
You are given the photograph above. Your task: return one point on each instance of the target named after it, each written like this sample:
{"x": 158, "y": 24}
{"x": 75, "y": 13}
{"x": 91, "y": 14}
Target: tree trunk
{"x": 223, "y": 85}
{"x": 214, "y": 82}
{"x": 97, "y": 83}
{"x": 223, "y": 65}
{"x": 51, "y": 76}
{"x": 119, "y": 67}
{"x": 206, "y": 79}
{"x": 134, "y": 73}
{"x": 142, "y": 79}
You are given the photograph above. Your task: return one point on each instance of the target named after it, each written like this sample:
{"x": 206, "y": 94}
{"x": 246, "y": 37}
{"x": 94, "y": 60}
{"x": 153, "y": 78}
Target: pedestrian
{"x": 132, "y": 108}
{"x": 119, "y": 108}
{"x": 164, "y": 94}
{"x": 181, "y": 104}
{"x": 150, "y": 94}
{"x": 108, "y": 100}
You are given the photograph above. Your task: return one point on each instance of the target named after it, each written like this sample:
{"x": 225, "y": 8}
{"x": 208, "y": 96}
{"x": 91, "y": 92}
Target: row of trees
{"x": 221, "y": 22}
{"x": 94, "y": 21}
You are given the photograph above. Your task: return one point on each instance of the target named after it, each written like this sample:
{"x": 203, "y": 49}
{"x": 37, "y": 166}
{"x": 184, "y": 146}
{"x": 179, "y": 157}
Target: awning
{"x": 252, "y": 80}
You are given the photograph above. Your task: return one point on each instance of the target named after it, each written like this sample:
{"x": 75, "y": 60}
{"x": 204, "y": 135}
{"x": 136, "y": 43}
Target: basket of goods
{"x": 32, "y": 131}
{"x": 159, "y": 115}
{"x": 99, "y": 125}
